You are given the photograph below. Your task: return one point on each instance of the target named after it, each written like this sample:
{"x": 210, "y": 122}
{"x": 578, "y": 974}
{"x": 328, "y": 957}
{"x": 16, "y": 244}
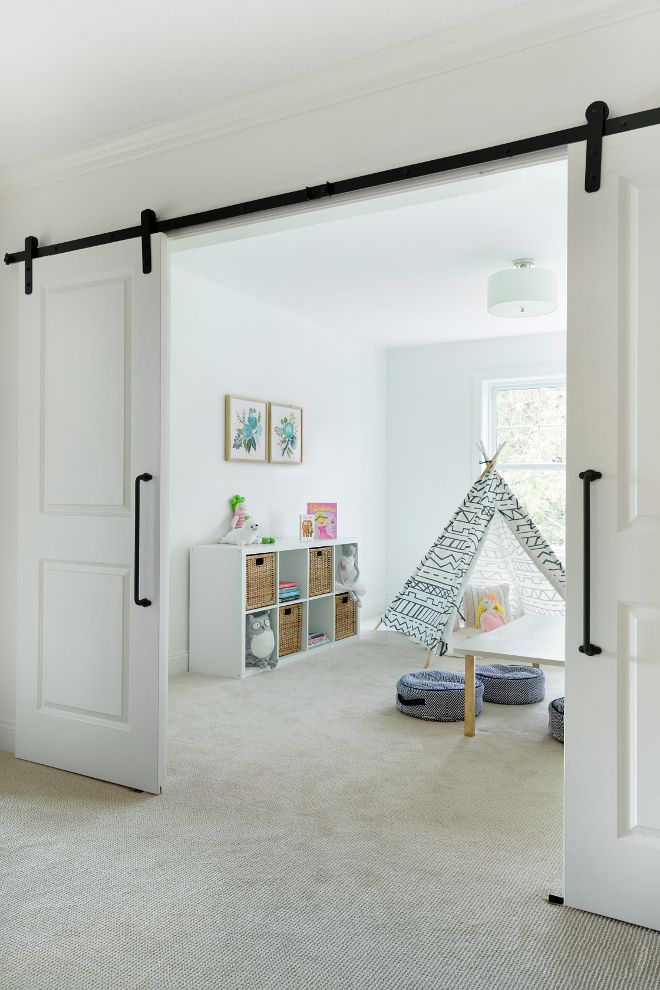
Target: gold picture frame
{"x": 252, "y": 447}
{"x": 282, "y": 447}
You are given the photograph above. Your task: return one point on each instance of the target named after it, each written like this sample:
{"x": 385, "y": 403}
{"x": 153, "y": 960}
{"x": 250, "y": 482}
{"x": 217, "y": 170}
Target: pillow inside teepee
{"x": 479, "y": 600}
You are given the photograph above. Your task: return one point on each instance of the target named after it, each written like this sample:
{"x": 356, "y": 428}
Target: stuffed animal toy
{"x": 348, "y": 574}
{"x": 239, "y": 508}
{"x": 243, "y": 536}
{"x": 259, "y": 641}
{"x": 490, "y": 614}
{"x": 240, "y": 517}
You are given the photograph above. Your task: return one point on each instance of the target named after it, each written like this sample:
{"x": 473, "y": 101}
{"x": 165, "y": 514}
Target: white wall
{"x": 223, "y": 343}
{"x": 543, "y": 88}
{"x": 433, "y": 413}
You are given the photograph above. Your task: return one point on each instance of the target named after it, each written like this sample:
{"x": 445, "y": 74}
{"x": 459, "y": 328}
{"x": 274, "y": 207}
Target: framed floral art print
{"x": 285, "y": 434}
{"x": 246, "y": 429}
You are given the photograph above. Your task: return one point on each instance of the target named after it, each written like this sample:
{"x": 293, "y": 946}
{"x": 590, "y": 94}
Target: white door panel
{"x": 87, "y": 459}
{"x": 613, "y": 699}
{"x": 91, "y": 663}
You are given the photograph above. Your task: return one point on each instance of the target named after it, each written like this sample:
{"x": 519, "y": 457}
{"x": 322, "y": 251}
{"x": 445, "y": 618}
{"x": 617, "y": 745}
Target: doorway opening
{"x": 339, "y": 368}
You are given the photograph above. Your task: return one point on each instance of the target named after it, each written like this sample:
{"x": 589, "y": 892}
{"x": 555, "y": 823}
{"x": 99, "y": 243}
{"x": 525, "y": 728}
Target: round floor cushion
{"x": 511, "y": 684}
{"x": 438, "y": 695}
{"x": 556, "y": 712}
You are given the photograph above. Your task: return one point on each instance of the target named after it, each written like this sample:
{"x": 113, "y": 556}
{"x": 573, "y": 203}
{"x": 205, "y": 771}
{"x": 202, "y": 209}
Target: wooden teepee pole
{"x": 490, "y": 462}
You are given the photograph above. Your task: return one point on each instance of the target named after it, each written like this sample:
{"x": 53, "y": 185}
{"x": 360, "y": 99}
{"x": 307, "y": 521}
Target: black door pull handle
{"x": 145, "y": 602}
{"x": 589, "y": 648}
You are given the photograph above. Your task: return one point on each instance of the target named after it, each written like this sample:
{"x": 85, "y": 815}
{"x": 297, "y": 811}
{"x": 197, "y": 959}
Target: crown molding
{"x": 536, "y": 23}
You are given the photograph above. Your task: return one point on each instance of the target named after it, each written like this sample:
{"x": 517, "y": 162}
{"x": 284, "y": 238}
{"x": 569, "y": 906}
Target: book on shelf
{"x": 306, "y": 531}
{"x": 319, "y": 639}
{"x": 324, "y": 519}
{"x": 315, "y": 639}
{"x": 290, "y": 592}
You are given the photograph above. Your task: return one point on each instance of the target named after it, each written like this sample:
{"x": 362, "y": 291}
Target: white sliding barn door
{"x": 612, "y": 748}
{"x": 91, "y": 669}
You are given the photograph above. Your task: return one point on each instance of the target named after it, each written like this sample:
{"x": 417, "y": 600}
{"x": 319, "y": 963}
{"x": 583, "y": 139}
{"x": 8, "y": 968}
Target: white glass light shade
{"x": 522, "y": 291}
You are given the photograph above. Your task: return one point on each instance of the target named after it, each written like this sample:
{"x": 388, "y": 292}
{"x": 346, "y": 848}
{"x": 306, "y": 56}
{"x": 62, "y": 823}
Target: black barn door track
{"x": 598, "y": 126}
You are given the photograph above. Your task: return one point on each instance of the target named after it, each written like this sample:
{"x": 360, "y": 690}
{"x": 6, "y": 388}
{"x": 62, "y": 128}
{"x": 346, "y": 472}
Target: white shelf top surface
{"x": 285, "y": 545}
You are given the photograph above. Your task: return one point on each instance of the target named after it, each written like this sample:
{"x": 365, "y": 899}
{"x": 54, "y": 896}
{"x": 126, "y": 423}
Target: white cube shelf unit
{"x": 218, "y": 602}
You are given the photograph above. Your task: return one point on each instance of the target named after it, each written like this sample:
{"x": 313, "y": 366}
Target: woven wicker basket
{"x": 260, "y": 580}
{"x": 345, "y": 616}
{"x": 290, "y": 629}
{"x": 320, "y": 571}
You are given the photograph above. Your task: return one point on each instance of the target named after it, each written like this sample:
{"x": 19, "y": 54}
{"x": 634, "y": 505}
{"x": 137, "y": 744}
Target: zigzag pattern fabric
{"x": 437, "y": 695}
{"x": 534, "y": 574}
{"x": 474, "y": 543}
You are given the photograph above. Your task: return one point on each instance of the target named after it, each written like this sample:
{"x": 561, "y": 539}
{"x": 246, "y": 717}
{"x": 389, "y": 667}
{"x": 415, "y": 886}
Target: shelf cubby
{"x": 273, "y": 616}
{"x": 292, "y": 566}
{"x": 321, "y": 618}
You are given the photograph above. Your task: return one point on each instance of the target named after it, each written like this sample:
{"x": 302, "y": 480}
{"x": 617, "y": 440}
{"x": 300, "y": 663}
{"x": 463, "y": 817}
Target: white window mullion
{"x": 544, "y": 499}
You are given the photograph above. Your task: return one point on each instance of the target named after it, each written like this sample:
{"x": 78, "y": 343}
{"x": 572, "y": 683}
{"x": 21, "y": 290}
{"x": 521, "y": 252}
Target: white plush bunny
{"x": 348, "y": 573}
{"x": 248, "y": 533}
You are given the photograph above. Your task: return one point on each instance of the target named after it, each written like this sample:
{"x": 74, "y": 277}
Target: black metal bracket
{"x": 31, "y": 245}
{"x": 597, "y": 113}
{"x": 319, "y": 192}
{"x": 147, "y": 227}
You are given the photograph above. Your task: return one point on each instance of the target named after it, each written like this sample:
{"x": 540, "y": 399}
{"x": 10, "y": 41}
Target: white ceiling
{"x": 409, "y": 269}
{"x": 77, "y": 71}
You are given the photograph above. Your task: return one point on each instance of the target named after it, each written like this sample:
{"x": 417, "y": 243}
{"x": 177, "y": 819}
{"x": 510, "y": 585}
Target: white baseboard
{"x": 7, "y": 737}
{"x": 370, "y": 617}
{"x": 177, "y": 663}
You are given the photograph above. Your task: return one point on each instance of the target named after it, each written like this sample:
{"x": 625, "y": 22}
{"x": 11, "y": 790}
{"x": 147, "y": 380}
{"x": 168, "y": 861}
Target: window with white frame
{"x": 529, "y": 417}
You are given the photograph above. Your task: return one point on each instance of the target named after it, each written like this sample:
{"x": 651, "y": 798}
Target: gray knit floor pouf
{"x": 511, "y": 684}
{"x": 556, "y": 713}
{"x": 438, "y": 695}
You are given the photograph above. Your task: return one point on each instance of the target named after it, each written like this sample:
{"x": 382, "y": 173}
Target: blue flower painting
{"x": 286, "y": 434}
{"x": 246, "y": 429}
{"x": 249, "y": 430}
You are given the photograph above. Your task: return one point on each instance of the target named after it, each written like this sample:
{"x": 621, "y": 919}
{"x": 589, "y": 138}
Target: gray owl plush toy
{"x": 259, "y": 641}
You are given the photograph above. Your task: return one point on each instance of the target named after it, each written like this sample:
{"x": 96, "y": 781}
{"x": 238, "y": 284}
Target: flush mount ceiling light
{"x": 522, "y": 290}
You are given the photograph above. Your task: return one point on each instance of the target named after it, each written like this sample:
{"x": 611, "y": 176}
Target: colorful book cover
{"x": 307, "y": 527}
{"x": 325, "y": 519}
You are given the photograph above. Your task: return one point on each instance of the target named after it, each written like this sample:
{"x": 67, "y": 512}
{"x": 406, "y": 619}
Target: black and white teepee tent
{"x": 490, "y": 539}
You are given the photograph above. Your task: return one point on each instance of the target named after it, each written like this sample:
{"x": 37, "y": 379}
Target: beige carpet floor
{"x": 312, "y": 838}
